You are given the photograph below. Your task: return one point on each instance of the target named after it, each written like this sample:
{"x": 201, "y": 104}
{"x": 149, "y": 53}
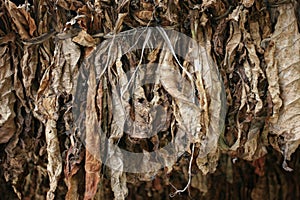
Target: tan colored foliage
{"x": 253, "y": 46}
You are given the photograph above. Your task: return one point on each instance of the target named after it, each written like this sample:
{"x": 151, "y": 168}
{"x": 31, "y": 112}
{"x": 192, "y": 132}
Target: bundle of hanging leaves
{"x": 75, "y": 95}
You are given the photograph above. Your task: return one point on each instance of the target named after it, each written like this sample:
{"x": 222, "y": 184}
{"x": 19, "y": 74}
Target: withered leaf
{"x": 287, "y": 43}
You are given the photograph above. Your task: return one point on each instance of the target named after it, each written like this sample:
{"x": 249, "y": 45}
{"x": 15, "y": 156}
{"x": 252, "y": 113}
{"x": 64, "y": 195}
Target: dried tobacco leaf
{"x": 54, "y": 166}
{"x": 248, "y": 3}
{"x": 25, "y": 24}
{"x": 7, "y": 100}
{"x": 92, "y": 140}
{"x": 42, "y": 43}
{"x": 273, "y": 80}
{"x": 286, "y": 39}
{"x": 62, "y": 70}
{"x": 73, "y": 159}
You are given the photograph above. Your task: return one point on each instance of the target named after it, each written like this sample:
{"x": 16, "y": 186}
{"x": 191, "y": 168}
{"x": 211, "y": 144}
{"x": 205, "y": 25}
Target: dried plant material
{"x": 71, "y": 169}
{"x": 7, "y": 114}
{"x": 92, "y": 141}
{"x": 69, "y": 4}
{"x": 10, "y": 37}
{"x": 189, "y": 175}
{"x": 287, "y": 45}
{"x": 84, "y": 39}
{"x": 248, "y": 3}
{"x": 54, "y": 166}
{"x": 232, "y": 43}
{"x": 24, "y": 23}
{"x": 200, "y": 182}
{"x": 145, "y": 15}
{"x": 256, "y": 37}
{"x": 214, "y": 110}
{"x": 256, "y": 71}
{"x": 253, "y": 149}
{"x": 67, "y": 60}
{"x": 49, "y": 106}
{"x": 235, "y": 15}
{"x": 273, "y": 80}
{"x": 149, "y": 116}
{"x": 118, "y": 177}
{"x": 29, "y": 64}
{"x": 208, "y": 3}
{"x": 218, "y": 37}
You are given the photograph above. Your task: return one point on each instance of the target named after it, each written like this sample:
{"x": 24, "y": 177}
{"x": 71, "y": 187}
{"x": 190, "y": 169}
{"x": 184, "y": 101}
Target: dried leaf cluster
{"x": 253, "y": 46}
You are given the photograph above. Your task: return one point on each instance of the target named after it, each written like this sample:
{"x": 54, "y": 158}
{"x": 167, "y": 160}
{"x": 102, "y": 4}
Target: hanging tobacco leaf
{"x": 149, "y": 99}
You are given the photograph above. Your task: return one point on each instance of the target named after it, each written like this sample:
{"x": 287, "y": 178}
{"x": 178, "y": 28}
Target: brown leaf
{"x": 69, "y": 4}
{"x": 92, "y": 139}
{"x": 273, "y": 80}
{"x": 232, "y": 44}
{"x": 23, "y": 21}
{"x": 54, "y": 166}
{"x": 74, "y": 157}
{"x": 84, "y": 39}
{"x": 7, "y": 98}
{"x": 287, "y": 59}
{"x": 248, "y": 3}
